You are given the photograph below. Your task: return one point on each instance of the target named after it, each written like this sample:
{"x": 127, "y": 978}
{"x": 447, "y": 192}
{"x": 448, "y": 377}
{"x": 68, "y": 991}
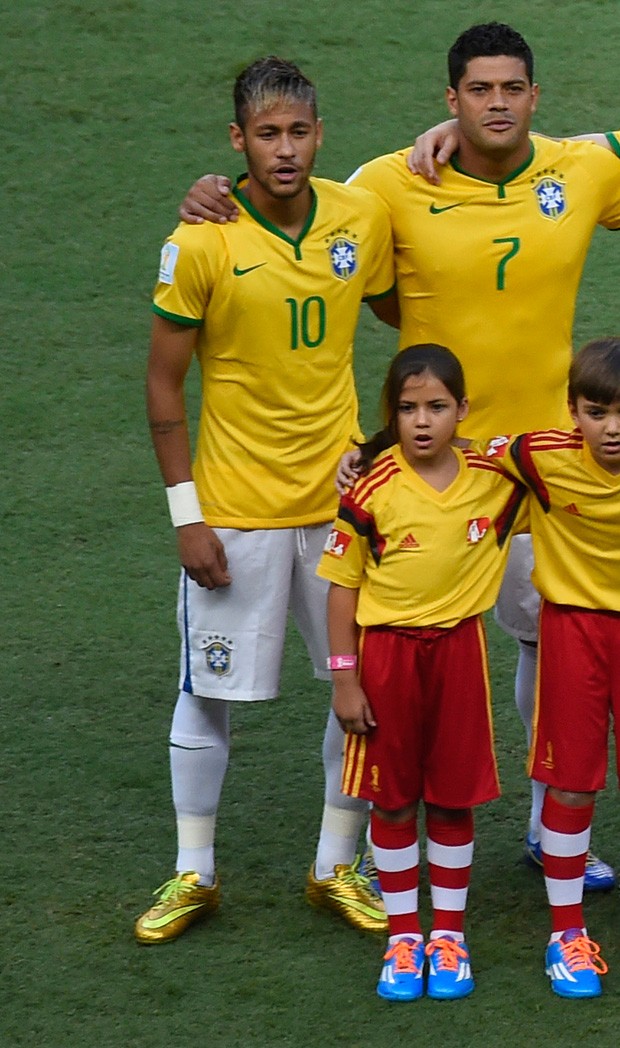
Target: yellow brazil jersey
{"x": 276, "y": 319}
{"x": 574, "y": 516}
{"x": 492, "y": 271}
{"x": 421, "y": 557}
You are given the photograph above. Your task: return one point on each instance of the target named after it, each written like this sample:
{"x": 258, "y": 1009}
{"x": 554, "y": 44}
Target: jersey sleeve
{"x": 603, "y": 170}
{"x": 188, "y": 265}
{"x": 344, "y": 556}
{"x": 514, "y": 456}
{"x": 379, "y": 175}
{"x": 381, "y": 279}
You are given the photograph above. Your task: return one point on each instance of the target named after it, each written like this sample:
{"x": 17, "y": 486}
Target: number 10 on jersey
{"x": 308, "y": 321}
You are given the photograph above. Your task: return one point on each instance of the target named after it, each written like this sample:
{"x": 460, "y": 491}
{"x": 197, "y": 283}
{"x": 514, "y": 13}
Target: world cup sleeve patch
{"x": 343, "y": 257}
{"x": 551, "y": 197}
{"x": 167, "y": 262}
{"x": 337, "y": 542}
{"x": 477, "y": 529}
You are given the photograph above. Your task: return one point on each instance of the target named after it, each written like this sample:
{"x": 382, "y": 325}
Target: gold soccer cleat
{"x": 181, "y": 902}
{"x": 351, "y": 895}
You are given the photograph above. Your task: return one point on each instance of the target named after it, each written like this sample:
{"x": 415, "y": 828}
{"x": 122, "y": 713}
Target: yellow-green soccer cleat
{"x": 351, "y": 895}
{"x": 181, "y": 901}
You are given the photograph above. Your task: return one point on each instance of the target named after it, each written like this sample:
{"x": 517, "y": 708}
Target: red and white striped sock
{"x": 565, "y": 839}
{"x": 397, "y": 858}
{"x": 450, "y": 851}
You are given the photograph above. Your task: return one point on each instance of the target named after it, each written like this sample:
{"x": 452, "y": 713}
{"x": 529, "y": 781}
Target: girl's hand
{"x": 351, "y": 706}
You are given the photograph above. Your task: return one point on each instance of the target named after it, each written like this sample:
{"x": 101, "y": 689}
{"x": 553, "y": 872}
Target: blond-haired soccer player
{"x": 490, "y": 262}
{"x": 574, "y": 478}
{"x": 269, "y": 307}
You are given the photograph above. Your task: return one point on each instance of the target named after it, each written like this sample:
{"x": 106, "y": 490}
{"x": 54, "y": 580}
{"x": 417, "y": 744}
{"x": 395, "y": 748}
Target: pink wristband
{"x": 342, "y": 662}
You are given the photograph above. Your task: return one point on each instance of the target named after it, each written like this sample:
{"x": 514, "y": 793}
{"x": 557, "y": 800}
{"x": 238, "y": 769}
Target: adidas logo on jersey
{"x": 572, "y": 508}
{"x": 409, "y": 542}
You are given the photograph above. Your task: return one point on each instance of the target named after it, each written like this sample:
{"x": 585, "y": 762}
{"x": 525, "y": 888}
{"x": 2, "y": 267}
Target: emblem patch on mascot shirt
{"x": 551, "y": 198}
{"x": 477, "y": 529}
{"x": 218, "y": 653}
{"x": 337, "y": 542}
{"x": 497, "y": 446}
{"x": 343, "y": 255}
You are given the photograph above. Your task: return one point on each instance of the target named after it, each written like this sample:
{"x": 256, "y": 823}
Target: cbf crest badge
{"x": 343, "y": 255}
{"x": 551, "y": 197}
{"x": 218, "y": 653}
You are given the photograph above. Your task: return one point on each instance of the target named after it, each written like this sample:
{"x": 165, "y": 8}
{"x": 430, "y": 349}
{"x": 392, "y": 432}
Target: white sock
{"x": 197, "y": 772}
{"x": 525, "y": 695}
{"x": 343, "y": 817}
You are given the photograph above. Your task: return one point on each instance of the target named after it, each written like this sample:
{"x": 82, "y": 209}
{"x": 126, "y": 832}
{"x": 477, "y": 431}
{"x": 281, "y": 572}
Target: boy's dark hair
{"x": 268, "y": 81}
{"x": 484, "y": 41}
{"x": 595, "y": 372}
{"x": 415, "y": 360}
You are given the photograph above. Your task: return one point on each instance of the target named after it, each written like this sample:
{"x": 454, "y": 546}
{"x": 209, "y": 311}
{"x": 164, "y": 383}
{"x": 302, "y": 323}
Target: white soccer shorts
{"x": 232, "y": 638}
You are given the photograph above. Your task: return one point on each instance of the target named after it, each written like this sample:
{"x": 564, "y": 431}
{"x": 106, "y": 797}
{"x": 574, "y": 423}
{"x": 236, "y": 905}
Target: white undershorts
{"x": 518, "y": 603}
{"x": 232, "y": 638}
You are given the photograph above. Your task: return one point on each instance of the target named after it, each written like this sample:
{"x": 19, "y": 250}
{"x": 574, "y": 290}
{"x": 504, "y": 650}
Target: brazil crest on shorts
{"x": 551, "y": 198}
{"x": 343, "y": 255}
{"x": 218, "y": 653}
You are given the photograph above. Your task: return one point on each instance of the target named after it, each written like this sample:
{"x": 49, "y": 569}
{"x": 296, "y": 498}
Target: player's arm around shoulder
{"x": 200, "y": 551}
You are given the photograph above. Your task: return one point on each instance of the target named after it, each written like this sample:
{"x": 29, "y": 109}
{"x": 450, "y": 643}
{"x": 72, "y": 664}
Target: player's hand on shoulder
{"x": 433, "y": 148}
{"x": 350, "y": 704}
{"x": 203, "y": 556}
{"x": 349, "y": 470}
{"x": 209, "y": 198}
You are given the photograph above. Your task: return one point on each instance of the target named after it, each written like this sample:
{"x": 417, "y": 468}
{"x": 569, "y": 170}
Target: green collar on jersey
{"x": 501, "y": 190}
{"x": 242, "y": 199}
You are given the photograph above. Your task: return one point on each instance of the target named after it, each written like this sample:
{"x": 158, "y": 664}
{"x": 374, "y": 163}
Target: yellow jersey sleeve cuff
{"x": 383, "y": 294}
{"x": 176, "y": 319}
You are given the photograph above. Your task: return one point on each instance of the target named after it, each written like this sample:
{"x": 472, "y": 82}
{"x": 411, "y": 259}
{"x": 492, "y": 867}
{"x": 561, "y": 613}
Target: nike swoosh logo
{"x": 241, "y": 272}
{"x": 353, "y": 904}
{"x": 161, "y": 922}
{"x": 439, "y": 210}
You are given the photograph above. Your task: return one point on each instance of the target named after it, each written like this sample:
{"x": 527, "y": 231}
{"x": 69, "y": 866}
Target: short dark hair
{"x": 415, "y": 360}
{"x": 270, "y": 80}
{"x": 595, "y": 372}
{"x": 487, "y": 40}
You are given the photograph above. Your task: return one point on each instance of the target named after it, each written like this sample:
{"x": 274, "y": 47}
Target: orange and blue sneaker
{"x": 181, "y": 901}
{"x": 401, "y": 977}
{"x": 449, "y": 969}
{"x": 350, "y": 895}
{"x": 599, "y": 875}
{"x": 574, "y": 965}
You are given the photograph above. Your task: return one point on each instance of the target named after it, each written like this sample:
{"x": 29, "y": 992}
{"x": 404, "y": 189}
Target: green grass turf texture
{"x": 109, "y": 111}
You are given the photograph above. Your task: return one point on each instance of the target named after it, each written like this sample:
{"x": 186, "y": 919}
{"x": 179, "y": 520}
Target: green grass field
{"x": 109, "y": 112}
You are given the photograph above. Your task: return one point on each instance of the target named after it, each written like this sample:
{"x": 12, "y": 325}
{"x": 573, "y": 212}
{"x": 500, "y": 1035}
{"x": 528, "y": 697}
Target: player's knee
{"x": 400, "y": 815}
{"x": 200, "y": 723}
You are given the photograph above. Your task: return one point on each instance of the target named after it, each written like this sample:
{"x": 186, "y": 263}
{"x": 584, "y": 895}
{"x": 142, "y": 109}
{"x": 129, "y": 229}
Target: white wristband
{"x": 183, "y": 504}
